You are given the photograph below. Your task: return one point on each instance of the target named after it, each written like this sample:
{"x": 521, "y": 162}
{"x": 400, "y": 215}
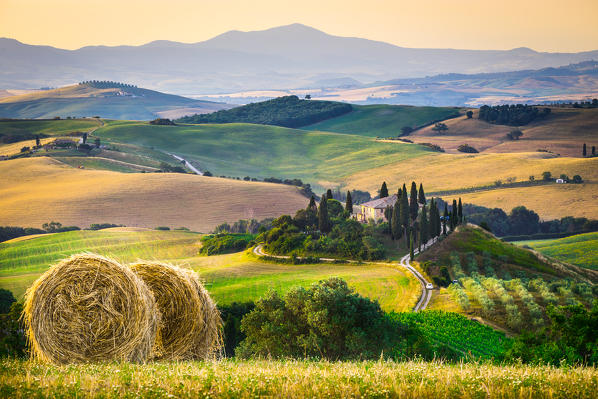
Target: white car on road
{"x": 429, "y": 286}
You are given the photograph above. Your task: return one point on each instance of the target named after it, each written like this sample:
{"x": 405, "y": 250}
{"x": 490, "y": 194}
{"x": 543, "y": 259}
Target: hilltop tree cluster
{"x": 289, "y": 111}
{"x": 107, "y": 84}
{"x": 512, "y": 115}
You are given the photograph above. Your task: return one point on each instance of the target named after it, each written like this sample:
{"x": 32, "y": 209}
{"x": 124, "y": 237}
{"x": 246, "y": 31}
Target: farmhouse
{"x": 375, "y": 209}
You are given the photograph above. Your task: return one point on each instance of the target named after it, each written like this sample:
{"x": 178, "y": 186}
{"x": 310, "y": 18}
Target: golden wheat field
{"x": 563, "y": 132}
{"x": 37, "y": 190}
{"x": 451, "y": 171}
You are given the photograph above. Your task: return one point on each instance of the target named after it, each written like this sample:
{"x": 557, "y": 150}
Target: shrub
{"x": 467, "y": 149}
{"x": 162, "y": 228}
{"x": 13, "y": 342}
{"x": 225, "y": 243}
{"x": 327, "y": 320}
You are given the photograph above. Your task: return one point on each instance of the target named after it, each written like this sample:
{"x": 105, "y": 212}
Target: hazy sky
{"x": 545, "y": 25}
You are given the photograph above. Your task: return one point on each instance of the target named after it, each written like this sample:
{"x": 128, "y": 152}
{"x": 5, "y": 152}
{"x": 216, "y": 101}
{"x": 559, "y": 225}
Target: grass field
{"x": 319, "y": 158}
{"x": 563, "y": 132}
{"x": 37, "y": 190}
{"x": 382, "y": 120}
{"x": 233, "y": 277}
{"x": 47, "y": 127}
{"x": 295, "y": 379}
{"x": 580, "y": 250}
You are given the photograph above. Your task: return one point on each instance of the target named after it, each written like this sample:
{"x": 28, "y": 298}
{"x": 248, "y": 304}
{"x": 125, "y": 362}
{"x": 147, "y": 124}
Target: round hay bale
{"x": 89, "y": 308}
{"x": 209, "y": 343}
{"x": 182, "y": 319}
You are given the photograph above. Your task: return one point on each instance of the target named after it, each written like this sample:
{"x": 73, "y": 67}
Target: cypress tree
{"x": 312, "y": 204}
{"x": 323, "y": 221}
{"x": 413, "y": 204}
{"x": 349, "y": 203}
{"x": 423, "y": 228}
{"x": 329, "y": 194}
{"x": 584, "y": 151}
{"x": 445, "y": 218}
{"x": 395, "y": 222}
{"x": 411, "y": 256}
{"x": 432, "y": 224}
{"x": 454, "y": 216}
{"x": 460, "y": 212}
{"x": 593, "y": 150}
{"x": 421, "y": 197}
{"x": 399, "y": 193}
{"x": 404, "y": 210}
{"x": 383, "y": 190}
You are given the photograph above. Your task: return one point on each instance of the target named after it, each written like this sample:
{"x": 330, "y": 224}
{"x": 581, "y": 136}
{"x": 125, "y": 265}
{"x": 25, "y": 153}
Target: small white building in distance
{"x": 374, "y": 209}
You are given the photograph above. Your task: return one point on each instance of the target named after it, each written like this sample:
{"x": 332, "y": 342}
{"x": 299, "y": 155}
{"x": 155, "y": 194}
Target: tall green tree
{"x": 411, "y": 255}
{"x": 585, "y": 150}
{"x": 312, "y": 204}
{"x": 349, "y": 203}
{"x": 421, "y": 196}
{"x": 460, "y": 212}
{"x": 446, "y": 216}
{"x": 423, "y": 228}
{"x": 383, "y": 190}
{"x": 323, "y": 219}
{"x": 399, "y": 192}
{"x": 395, "y": 222}
{"x": 329, "y": 194}
{"x": 413, "y": 204}
{"x": 404, "y": 211}
{"x": 432, "y": 224}
{"x": 454, "y": 216}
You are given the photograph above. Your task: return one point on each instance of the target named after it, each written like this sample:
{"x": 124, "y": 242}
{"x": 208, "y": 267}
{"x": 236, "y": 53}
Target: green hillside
{"x": 382, "y": 120}
{"x": 319, "y": 158}
{"x": 580, "y": 250}
{"x": 19, "y": 130}
{"x": 234, "y": 277}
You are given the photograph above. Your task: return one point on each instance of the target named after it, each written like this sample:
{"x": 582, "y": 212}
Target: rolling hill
{"x": 580, "y": 249}
{"x": 320, "y": 158}
{"x": 37, "y": 190}
{"x": 563, "y": 132}
{"x": 293, "y": 56}
{"x": 382, "y": 120}
{"x": 112, "y": 101}
{"x": 500, "y": 282}
{"x": 235, "y": 277}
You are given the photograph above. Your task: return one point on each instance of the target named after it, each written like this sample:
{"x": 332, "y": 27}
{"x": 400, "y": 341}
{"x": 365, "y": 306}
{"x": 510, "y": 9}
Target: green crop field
{"x": 580, "y": 250}
{"x": 233, "y": 277}
{"x": 458, "y": 332}
{"x": 382, "y": 120}
{"x": 295, "y": 379}
{"x": 319, "y": 158}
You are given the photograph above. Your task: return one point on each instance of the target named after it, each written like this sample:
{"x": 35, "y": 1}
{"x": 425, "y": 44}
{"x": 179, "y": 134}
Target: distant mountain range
{"x": 110, "y": 100}
{"x": 287, "y": 57}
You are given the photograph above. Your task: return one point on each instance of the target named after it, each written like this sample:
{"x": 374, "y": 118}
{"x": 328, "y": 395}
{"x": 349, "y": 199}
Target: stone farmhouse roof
{"x": 381, "y": 203}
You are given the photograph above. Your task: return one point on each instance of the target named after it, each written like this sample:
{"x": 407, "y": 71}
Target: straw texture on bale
{"x": 89, "y": 308}
{"x": 210, "y": 343}
{"x": 183, "y": 318}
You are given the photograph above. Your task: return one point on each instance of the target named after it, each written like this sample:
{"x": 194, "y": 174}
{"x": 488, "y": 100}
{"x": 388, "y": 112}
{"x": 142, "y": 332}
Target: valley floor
{"x": 292, "y": 379}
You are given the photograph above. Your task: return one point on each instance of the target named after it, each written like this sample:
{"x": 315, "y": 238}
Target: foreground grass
{"x": 293, "y": 379}
{"x": 580, "y": 249}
